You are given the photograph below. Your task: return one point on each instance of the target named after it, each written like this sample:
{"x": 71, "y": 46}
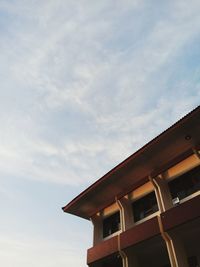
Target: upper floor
{"x": 153, "y": 191}
{"x": 159, "y": 207}
{"x": 173, "y": 187}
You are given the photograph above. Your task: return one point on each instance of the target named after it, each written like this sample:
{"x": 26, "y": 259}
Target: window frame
{"x": 107, "y": 217}
{"x": 178, "y": 177}
{"x": 151, "y": 215}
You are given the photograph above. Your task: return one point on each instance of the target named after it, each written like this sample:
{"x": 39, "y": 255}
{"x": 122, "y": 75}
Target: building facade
{"x": 146, "y": 211}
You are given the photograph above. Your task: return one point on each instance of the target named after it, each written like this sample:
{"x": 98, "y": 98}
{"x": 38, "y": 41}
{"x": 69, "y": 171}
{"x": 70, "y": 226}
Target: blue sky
{"x": 84, "y": 84}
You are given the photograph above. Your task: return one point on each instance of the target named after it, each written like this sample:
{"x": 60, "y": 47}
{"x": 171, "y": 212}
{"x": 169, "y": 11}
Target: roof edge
{"x": 132, "y": 156}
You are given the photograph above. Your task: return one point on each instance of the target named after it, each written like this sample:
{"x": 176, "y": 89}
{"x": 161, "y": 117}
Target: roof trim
{"x": 132, "y": 157}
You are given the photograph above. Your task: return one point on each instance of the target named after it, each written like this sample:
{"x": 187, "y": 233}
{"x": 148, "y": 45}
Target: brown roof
{"x": 166, "y": 149}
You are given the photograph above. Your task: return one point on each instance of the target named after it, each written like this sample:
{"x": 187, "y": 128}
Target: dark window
{"x": 144, "y": 207}
{"x": 111, "y": 224}
{"x": 185, "y": 184}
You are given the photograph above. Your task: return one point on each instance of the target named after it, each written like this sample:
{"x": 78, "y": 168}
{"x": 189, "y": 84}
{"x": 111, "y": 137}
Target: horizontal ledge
{"x": 181, "y": 214}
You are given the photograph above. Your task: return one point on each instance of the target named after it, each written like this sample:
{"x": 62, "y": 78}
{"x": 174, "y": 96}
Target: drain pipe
{"x": 165, "y": 236}
{"x": 169, "y": 244}
{"x": 121, "y": 252}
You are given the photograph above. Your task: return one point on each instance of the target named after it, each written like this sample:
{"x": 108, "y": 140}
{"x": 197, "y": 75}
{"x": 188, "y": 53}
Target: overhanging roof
{"x": 169, "y": 147}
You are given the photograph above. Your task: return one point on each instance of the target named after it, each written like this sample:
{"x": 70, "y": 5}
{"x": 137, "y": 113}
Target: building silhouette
{"x": 146, "y": 211}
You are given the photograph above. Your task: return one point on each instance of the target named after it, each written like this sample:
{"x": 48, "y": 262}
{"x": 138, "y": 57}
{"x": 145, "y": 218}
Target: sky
{"x": 83, "y": 85}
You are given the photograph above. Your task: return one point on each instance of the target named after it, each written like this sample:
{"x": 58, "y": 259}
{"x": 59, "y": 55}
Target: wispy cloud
{"x": 22, "y": 252}
{"x": 82, "y": 80}
{"x": 83, "y": 85}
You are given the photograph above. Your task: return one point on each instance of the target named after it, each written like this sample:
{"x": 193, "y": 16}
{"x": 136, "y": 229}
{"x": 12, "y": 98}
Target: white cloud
{"x": 83, "y": 79}
{"x": 83, "y": 85}
{"x": 22, "y": 252}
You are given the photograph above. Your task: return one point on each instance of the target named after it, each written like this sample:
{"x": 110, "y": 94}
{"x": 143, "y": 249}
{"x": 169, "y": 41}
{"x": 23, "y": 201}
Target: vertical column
{"x": 162, "y": 192}
{"x": 126, "y": 213}
{"x": 97, "y": 228}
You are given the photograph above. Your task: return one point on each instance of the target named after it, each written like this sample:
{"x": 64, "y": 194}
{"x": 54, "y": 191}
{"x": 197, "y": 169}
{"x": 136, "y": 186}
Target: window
{"x": 111, "y": 224}
{"x": 144, "y": 207}
{"x": 185, "y": 184}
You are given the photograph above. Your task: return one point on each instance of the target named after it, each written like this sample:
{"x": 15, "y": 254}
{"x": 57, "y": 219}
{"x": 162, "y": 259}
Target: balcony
{"x": 139, "y": 233}
{"x": 181, "y": 214}
{"x": 102, "y": 250}
{"x": 135, "y": 235}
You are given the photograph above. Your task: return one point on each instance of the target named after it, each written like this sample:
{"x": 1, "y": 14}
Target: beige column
{"x": 125, "y": 212}
{"x": 162, "y": 193}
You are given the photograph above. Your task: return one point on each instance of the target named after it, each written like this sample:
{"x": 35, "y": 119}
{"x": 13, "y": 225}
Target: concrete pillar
{"x": 97, "y": 228}
{"x": 161, "y": 186}
{"x": 126, "y": 213}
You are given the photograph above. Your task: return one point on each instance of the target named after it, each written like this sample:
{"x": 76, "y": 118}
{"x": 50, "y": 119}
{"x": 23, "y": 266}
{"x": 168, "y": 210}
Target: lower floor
{"x": 181, "y": 250}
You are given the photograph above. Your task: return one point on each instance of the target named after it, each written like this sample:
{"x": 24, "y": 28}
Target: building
{"x": 146, "y": 211}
